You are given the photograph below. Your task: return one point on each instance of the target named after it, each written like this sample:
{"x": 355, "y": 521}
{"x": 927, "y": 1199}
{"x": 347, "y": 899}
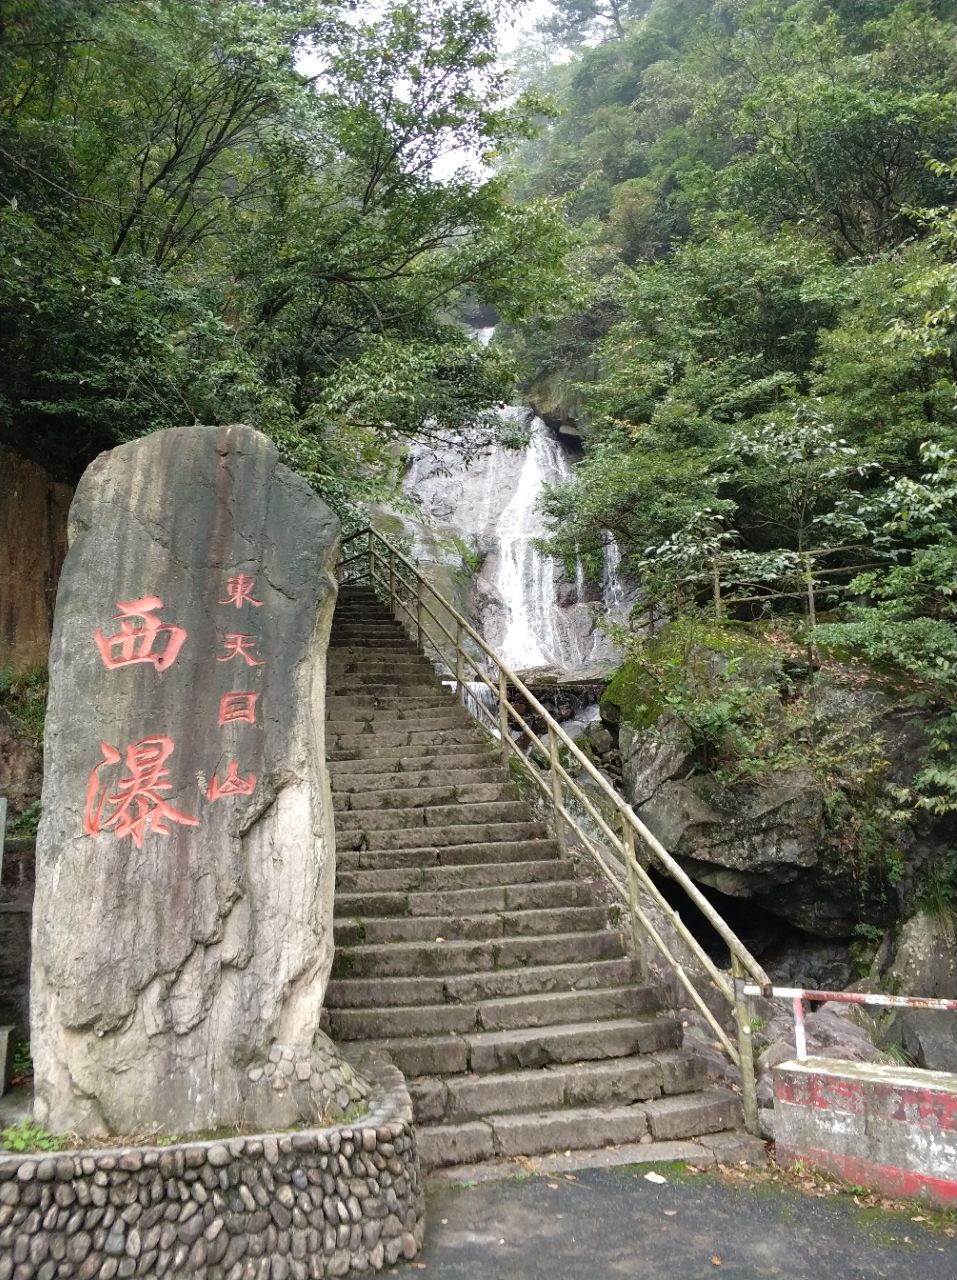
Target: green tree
{"x": 572, "y": 22}
{"x": 233, "y": 211}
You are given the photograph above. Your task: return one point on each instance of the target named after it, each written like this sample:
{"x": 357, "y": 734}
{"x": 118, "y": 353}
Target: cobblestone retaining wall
{"x": 303, "y": 1205}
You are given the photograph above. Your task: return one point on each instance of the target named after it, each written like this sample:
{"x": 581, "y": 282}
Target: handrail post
{"x": 749, "y": 1092}
{"x": 503, "y": 725}
{"x": 557, "y": 797}
{"x": 459, "y": 664}
{"x": 392, "y": 603}
{"x": 637, "y": 933}
{"x": 418, "y": 612}
{"x": 371, "y": 554}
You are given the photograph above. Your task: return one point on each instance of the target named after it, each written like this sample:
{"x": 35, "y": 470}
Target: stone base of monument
{"x": 301, "y": 1205}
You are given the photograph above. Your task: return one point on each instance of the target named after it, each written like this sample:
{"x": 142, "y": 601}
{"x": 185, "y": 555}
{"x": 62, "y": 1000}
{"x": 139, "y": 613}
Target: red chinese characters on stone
{"x": 234, "y": 784}
{"x": 137, "y": 804}
{"x": 237, "y": 708}
{"x": 239, "y": 591}
{"x": 141, "y": 637}
{"x": 240, "y": 646}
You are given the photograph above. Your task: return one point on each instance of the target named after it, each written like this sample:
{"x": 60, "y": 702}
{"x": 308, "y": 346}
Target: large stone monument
{"x": 185, "y": 861}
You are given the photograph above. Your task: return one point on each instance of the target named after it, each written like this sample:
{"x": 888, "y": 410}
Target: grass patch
{"x": 885, "y": 1220}
{"x": 23, "y": 693}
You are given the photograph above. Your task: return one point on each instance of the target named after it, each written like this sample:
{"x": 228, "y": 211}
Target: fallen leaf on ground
{"x": 553, "y": 1186}
{"x": 670, "y": 1213}
{"x": 715, "y": 1260}
{"x": 655, "y": 1177}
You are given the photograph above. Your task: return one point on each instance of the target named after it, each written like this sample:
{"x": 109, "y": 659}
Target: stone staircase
{"x": 467, "y": 946}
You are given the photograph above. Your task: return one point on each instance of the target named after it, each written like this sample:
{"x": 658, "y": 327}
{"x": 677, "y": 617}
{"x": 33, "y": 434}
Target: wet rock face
{"x": 785, "y": 839}
{"x": 524, "y": 605}
{"x": 185, "y": 861}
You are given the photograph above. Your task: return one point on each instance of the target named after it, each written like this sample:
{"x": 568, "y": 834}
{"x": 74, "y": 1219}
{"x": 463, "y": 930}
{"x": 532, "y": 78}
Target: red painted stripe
{"x": 881, "y": 1177}
{"x": 925, "y": 1108}
{"x": 917, "y": 1106}
{"x": 816, "y": 1090}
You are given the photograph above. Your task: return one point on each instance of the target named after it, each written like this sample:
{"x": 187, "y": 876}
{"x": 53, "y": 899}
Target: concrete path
{"x": 604, "y": 1223}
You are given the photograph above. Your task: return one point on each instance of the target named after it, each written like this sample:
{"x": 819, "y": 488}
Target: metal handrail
{"x": 389, "y": 571}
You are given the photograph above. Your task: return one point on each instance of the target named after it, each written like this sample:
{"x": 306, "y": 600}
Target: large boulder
{"x": 925, "y": 958}
{"x": 791, "y": 822}
{"x": 186, "y": 858}
{"x": 929, "y": 1037}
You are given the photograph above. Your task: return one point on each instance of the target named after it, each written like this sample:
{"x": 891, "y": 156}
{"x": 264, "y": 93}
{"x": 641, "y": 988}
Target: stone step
{"x": 521, "y": 897}
{"x": 381, "y": 646}
{"x": 351, "y": 931}
{"x": 614, "y": 1081}
{"x": 415, "y": 770}
{"x": 357, "y": 993}
{"x": 529, "y": 1134}
{"x": 491, "y": 1015}
{"x": 391, "y": 717}
{"x": 374, "y": 686}
{"x": 574, "y": 1128}
{"x": 412, "y": 755}
{"x": 463, "y": 876}
{"x": 486, "y": 853}
{"x": 362, "y": 611}
{"x": 345, "y": 704}
{"x": 352, "y": 660}
{"x": 491, "y": 1051}
{"x": 690, "y": 1114}
{"x": 389, "y": 722}
{"x": 367, "y": 625}
{"x": 422, "y": 821}
{"x": 363, "y": 627}
{"x": 354, "y": 649}
{"x": 482, "y": 772}
{"x": 360, "y": 676}
{"x": 619, "y": 1038}
{"x": 357, "y": 746}
{"x": 464, "y": 833}
{"x": 406, "y": 959}
{"x": 401, "y": 798}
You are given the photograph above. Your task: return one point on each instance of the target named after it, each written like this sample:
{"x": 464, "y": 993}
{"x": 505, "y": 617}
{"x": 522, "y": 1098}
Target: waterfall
{"x": 613, "y": 590}
{"x": 526, "y": 578}
{"x": 526, "y": 607}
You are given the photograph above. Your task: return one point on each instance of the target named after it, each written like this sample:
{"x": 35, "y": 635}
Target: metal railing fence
{"x": 798, "y": 996}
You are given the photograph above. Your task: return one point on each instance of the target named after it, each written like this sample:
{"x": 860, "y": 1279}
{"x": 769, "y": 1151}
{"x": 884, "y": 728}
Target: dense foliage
{"x": 259, "y": 210}
{"x": 764, "y": 354}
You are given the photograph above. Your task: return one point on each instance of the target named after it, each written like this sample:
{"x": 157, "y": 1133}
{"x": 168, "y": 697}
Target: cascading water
{"x": 615, "y": 593}
{"x": 525, "y": 578}
{"x": 528, "y": 610}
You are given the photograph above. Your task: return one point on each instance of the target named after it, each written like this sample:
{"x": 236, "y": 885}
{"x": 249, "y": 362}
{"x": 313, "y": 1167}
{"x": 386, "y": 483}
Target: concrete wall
{"x": 893, "y": 1129}
{"x": 33, "y": 514}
